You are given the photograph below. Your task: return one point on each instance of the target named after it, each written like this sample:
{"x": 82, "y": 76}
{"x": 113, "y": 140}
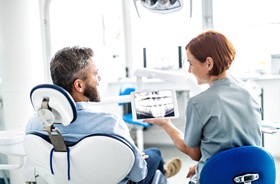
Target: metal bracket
{"x": 246, "y": 179}
{"x": 57, "y": 140}
{"x": 46, "y": 115}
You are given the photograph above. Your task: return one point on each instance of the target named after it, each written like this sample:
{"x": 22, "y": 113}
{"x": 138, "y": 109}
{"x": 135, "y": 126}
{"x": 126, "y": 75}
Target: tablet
{"x": 154, "y": 104}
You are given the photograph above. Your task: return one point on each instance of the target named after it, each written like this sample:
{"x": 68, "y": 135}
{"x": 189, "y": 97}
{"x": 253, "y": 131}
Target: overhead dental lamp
{"x": 160, "y": 6}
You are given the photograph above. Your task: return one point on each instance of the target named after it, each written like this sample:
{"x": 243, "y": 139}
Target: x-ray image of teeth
{"x": 154, "y": 104}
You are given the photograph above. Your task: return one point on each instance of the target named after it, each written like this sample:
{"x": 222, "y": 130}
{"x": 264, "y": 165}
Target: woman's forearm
{"x": 178, "y": 138}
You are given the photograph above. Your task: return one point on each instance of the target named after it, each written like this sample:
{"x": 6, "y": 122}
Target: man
{"x": 73, "y": 69}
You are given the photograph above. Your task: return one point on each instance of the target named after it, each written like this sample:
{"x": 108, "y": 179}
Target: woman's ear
{"x": 210, "y": 63}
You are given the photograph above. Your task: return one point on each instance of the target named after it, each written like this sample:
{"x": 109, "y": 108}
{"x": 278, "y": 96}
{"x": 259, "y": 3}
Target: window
{"x": 162, "y": 34}
{"x": 94, "y": 24}
{"x": 253, "y": 26}
{"x": 116, "y": 32}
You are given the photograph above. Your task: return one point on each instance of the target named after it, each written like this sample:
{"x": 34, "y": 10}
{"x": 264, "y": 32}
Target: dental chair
{"x": 97, "y": 158}
{"x": 243, "y": 165}
{"x": 137, "y": 126}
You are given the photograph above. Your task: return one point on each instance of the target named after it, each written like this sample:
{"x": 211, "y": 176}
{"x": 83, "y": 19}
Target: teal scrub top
{"x": 222, "y": 117}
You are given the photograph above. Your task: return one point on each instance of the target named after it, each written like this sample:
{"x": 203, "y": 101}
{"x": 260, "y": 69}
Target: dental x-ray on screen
{"x": 154, "y": 104}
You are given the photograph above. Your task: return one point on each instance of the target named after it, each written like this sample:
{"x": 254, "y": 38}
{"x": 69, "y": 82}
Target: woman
{"x": 223, "y": 116}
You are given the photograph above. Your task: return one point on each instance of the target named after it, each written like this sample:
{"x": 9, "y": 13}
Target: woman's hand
{"x": 158, "y": 121}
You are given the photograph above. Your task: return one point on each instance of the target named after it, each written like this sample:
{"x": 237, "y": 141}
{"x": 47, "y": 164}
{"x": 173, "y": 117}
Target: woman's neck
{"x": 220, "y": 76}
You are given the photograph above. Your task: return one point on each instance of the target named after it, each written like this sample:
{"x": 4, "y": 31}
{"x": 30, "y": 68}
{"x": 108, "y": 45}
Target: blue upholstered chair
{"x": 246, "y": 165}
{"x": 139, "y": 126}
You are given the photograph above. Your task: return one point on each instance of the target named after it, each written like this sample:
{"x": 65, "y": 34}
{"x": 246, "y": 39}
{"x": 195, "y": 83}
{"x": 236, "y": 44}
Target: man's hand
{"x": 144, "y": 156}
{"x": 191, "y": 171}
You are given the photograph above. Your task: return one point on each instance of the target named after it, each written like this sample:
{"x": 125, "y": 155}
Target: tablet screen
{"x": 154, "y": 104}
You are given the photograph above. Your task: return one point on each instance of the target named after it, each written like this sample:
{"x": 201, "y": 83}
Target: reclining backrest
{"x": 95, "y": 159}
{"x": 98, "y": 158}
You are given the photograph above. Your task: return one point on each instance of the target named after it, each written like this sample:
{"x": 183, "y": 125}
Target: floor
{"x": 170, "y": 151}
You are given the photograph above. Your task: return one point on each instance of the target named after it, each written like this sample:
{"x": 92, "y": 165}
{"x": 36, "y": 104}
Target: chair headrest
{"x": 59, "y": 105}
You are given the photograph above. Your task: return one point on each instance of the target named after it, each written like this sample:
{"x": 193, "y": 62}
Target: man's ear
{"x": 78, "y": 85}
{"x": 210, "y": 63}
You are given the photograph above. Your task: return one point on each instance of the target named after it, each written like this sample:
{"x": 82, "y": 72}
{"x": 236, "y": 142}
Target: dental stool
{"x": 243, "y": 165}
{"x": 139, "y": 126}
{"x": 97, "y": 158}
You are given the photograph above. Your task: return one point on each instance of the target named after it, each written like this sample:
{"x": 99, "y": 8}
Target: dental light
{"x": 160, "y": 6}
